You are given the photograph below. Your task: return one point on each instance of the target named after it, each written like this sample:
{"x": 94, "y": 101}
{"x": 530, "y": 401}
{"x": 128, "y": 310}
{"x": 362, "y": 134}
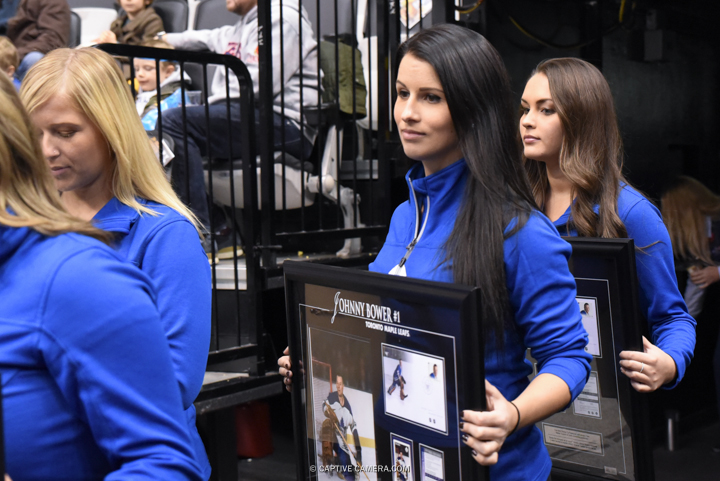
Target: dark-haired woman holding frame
{"x": 573, "y": 156}
{"x": 471, "y": 219}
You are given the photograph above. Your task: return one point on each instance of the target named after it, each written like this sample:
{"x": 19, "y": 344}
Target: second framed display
{"x": 603, "y": 434}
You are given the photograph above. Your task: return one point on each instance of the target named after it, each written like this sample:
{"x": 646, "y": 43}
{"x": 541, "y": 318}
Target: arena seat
{"x": 174, "y": 14}
{"x": 94, "y": 21}
{"x": 75, "y": 30}
{"x": 112, "y": 4}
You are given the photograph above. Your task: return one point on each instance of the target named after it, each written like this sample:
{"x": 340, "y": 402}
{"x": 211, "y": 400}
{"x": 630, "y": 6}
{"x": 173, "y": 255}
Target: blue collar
{"x": 117, "y": 217}
{"x": 440, "y": 184}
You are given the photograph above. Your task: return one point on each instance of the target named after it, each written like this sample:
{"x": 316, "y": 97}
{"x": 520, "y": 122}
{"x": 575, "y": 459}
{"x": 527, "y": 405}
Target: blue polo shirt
{"x": 167, "y": 248}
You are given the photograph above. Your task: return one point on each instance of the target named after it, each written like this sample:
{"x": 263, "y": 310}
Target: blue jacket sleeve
{"x": 103, "y": 344}
{"x": 671, "y": 327}
{"x": 542, "y": 294}
{"x": 178, "y": 266}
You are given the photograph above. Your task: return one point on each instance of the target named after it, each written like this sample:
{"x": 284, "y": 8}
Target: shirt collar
{"x": 116, "y": 216}
{"x": 437, "y": 184}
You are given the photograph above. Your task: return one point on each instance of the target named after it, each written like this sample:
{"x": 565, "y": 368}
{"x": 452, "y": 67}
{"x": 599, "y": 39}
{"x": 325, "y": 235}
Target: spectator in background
{"x": 9, "y": 59}
{"x": 692, "y": 215}
{"x": 38, "y": 27}
{"x": 7, "y": 11}
{"x": 136, "y": 23}
{"x": 147, "y": 74}
{"x": 241, "y": 40}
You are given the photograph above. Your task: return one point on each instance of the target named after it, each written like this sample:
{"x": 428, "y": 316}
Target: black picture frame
{"x": 437, "y": 327}
{"x": 604, "y": 434}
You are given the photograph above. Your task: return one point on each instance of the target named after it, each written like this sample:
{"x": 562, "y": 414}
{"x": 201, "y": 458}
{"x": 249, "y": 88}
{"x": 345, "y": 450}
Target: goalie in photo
{"x": 338, "y": 425}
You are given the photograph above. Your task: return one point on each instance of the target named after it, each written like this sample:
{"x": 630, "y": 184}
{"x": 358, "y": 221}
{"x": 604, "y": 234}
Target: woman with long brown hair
{"x": 573, "y": 155}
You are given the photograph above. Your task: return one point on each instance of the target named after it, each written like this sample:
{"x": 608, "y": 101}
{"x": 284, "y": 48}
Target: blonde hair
{"x": 28, "y": 197}
{"x": 94, "y": 81}
{"x": 8, "y": 54}
{"x": 685, "y": 208}
{"x": 157, "y": 43}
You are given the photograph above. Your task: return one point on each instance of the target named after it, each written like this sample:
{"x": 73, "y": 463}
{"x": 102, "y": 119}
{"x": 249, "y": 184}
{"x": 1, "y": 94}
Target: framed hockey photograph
{"x": 604, "y": 433}
{"x": 387, "y": 364}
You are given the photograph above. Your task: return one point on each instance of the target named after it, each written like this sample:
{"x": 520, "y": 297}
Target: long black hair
{"x": 478, "y": 93}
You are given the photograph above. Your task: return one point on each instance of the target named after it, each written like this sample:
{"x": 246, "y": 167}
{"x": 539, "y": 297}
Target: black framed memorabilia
{"x": 604, "y": 433}
{"x": 387, "y": 364}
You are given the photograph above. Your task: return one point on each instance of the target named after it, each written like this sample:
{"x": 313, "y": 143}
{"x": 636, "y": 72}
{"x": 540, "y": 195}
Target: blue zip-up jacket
{"x": 88, "y": 390}
{"x": 671, "y": 327}
{"x": 167, "y": 248}
{"x": 542, "y": 297}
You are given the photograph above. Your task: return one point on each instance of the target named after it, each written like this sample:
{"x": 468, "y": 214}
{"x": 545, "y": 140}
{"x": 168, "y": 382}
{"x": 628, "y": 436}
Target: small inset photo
{"x": 414, "y": 385}
{"x": 402, "y": 455}
{"x": 591, "y": 323}
{"x": 432, "y": 464}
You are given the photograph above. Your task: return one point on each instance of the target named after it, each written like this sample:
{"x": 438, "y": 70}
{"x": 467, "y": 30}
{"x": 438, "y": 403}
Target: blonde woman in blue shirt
{"x": 105, "y": 169}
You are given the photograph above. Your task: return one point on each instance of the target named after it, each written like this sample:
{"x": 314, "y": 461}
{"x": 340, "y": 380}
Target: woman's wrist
{"x": 517, "y": 423}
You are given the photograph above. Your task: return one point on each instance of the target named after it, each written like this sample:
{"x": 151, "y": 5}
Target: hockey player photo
{"x": 419, "y": 379}
{"x": 338, "y": 411}
{"x": 402, "y": 456}
{"x": 342, "y": 410}
{"x": 398, "y": 380}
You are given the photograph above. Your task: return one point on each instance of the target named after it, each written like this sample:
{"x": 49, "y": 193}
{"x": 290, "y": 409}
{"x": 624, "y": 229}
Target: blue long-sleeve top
{"x": 540, "y": 288}
{"x": 87, "y": 382}
{"x": 167, "y": 248}
{"x": 671, "y": 327}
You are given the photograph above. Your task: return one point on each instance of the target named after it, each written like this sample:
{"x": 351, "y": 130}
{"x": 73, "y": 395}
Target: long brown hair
{"x": 685, "y": 208}
{"x": 28, "y": 197}
{"x": 591, "y": 154}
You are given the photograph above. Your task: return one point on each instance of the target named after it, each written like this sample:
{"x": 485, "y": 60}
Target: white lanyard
{"x": 399, "y": 270}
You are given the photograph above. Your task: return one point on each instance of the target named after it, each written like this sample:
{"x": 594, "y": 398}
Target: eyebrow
{"x": 423, "y": 89}
{"x": 64, "y": 124}
{"x": 537, "y": 102}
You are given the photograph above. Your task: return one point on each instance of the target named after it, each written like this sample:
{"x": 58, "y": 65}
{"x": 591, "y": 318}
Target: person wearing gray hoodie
{"x": 299, "y": 73}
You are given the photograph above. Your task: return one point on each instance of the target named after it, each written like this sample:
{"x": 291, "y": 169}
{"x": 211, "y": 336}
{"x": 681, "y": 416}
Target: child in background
{"x": 137, "y": 23}
{"x": 170, "y": 92}
{"x": 9, "y": 59}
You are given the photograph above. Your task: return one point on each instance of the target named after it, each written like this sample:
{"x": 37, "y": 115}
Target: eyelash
{"x": 432, "y": 98}
{"x": 546, "y": 111}
{"x": 66, "y": 135}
